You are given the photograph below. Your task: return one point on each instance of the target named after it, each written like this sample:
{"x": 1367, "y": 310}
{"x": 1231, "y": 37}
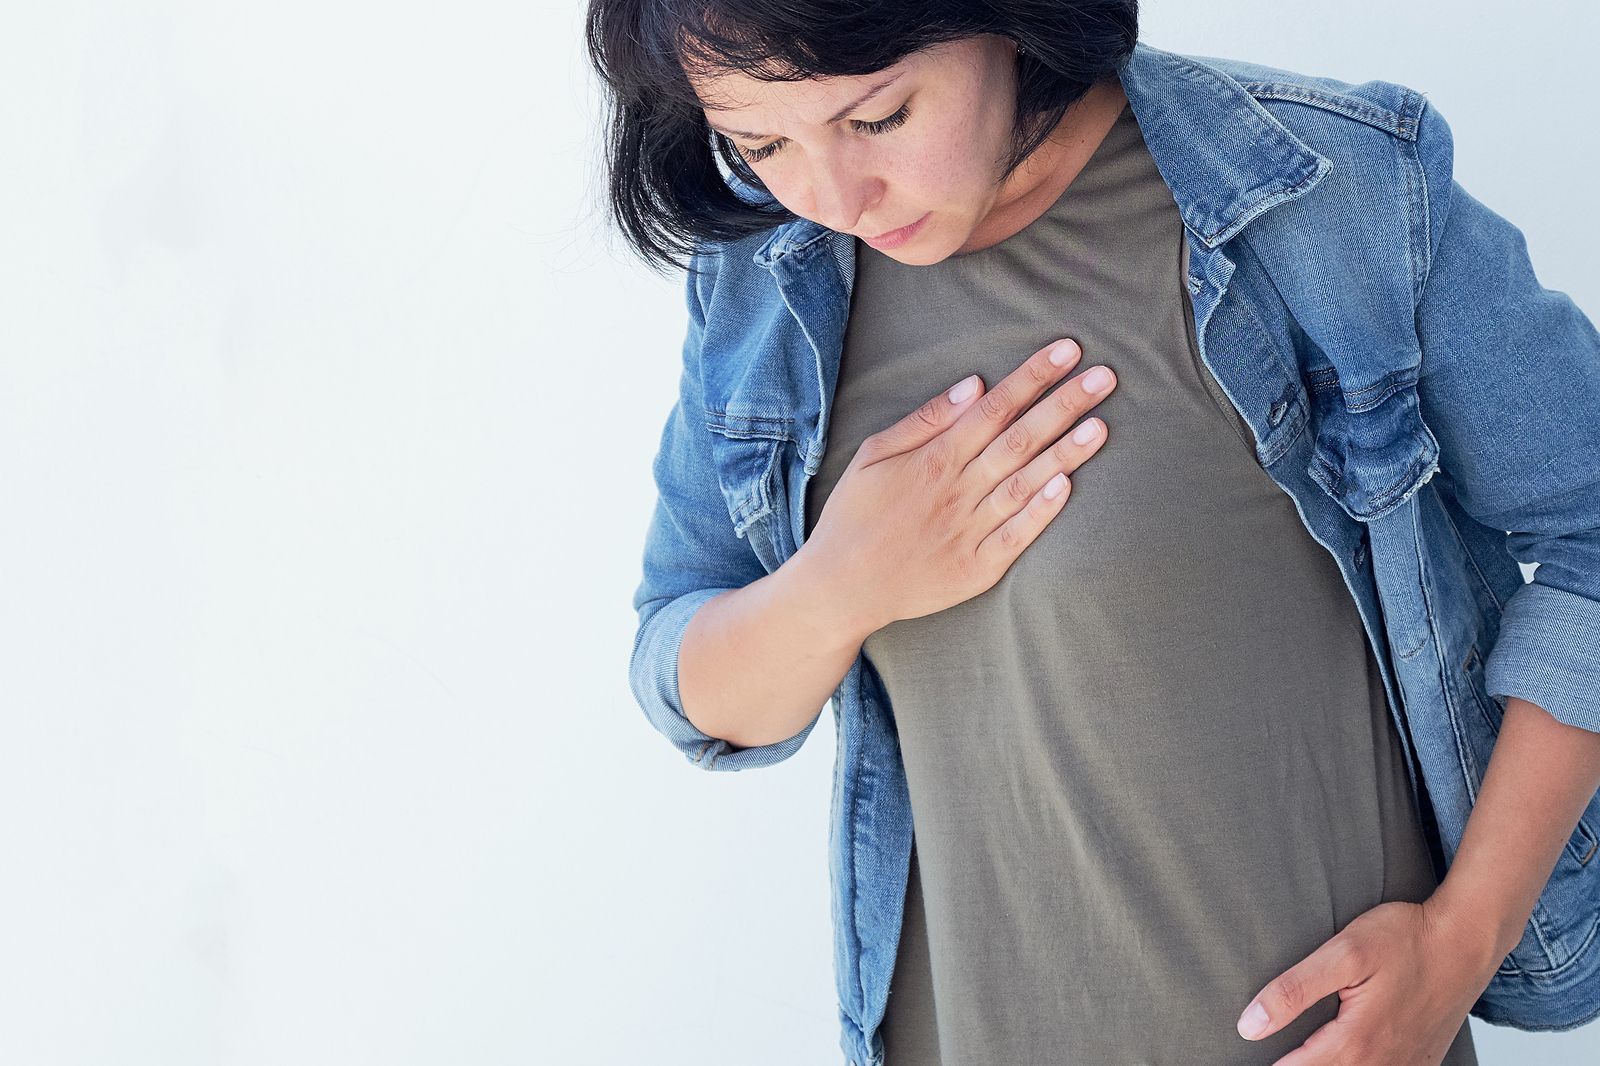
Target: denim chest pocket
{"x": 746, "y": 453}
{"x": 1372, "y": 447}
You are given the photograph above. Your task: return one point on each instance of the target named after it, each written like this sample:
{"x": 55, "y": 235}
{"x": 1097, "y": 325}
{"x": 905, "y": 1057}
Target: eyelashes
{"x": 882, "y": 125}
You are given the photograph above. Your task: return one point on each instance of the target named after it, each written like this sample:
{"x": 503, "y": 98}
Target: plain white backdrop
{"x": 327, "y": 405}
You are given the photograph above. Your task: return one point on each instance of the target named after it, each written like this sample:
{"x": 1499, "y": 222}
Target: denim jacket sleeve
{"x": 690, "y": 555}
{"x": 1510, "y": 385}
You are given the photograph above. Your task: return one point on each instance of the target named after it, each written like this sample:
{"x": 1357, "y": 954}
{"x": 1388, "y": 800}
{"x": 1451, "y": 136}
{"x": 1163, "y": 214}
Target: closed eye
{"x": 875, "y": 126}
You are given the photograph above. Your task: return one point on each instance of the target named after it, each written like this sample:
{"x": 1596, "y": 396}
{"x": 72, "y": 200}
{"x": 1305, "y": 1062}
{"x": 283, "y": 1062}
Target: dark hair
{"x": 667, "y": 192}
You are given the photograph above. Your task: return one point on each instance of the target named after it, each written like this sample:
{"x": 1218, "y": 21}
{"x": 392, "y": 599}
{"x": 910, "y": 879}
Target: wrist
{"x": 1483, "y": 943}
{"x": 821, "y": 601}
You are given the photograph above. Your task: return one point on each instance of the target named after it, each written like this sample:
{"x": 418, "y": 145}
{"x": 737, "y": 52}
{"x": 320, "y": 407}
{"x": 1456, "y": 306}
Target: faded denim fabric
{"x": 1431, "y": 408}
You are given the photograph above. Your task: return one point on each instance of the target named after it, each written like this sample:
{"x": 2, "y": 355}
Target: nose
{"x": 841, "y": 193}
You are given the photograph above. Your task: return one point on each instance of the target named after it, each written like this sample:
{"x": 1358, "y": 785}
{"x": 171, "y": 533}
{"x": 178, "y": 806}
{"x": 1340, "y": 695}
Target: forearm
{"x": 756, "y": 664}
{"x": 1540, "y": 777}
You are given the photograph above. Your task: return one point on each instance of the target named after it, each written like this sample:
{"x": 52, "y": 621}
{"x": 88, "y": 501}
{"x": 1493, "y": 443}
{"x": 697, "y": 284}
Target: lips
{"x": 896, "y": 236}
{"x": 887, "y": 234}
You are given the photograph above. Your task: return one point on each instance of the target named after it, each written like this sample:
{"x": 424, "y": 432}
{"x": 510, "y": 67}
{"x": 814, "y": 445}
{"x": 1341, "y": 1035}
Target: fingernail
{"x": 1064, "y": 352}
{"x": 1086, "y": 432}
{"x": 1253, "y": 1022}
{"x": 1097, "y": 380}
{"x": 964, "y": 389}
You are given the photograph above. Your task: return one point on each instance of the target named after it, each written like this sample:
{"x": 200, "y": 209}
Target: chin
{"x": 917, "y": 256}
{"x": 928, "y": 247}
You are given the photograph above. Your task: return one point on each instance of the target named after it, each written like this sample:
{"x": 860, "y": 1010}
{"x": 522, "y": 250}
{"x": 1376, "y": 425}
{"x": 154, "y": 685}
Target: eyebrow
{"x": 843, "y": 111}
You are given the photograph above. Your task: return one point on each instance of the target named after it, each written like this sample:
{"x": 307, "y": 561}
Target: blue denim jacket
{"x": 1431, "y": 408}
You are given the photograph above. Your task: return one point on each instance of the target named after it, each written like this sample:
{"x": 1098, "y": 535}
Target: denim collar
{"x": 1223, "y": 155}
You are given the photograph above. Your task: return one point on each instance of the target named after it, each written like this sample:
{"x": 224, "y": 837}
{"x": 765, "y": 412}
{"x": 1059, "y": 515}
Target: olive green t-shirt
{"x": 1153, "y": 767}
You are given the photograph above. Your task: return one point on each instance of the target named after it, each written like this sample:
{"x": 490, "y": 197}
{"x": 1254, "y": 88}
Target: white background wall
{"x": 327, "y": 403}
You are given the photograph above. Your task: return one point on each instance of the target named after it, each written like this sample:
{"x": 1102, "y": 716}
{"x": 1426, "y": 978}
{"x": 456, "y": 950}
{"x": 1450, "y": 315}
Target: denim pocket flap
{"x": 744, "y": 451}
{"x": 1372, "y": 447}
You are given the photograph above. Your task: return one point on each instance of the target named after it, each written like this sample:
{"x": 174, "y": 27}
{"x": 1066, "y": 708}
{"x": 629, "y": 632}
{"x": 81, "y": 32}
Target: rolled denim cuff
{"x": 1548, "y": 653}
{"x": 653, "y": 676}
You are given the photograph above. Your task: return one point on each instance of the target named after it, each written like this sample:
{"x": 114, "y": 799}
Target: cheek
{"x": 792, "y": 192}
{"x": 961, "y": 149}
{"x": 934, "y": 158}
{"x": 942, "y": 171}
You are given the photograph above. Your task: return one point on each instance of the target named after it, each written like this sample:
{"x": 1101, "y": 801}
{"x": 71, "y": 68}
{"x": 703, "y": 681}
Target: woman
{"x": 1151, "y": 754}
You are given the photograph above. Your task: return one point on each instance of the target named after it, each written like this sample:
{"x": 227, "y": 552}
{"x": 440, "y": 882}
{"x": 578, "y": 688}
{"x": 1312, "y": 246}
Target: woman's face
{"x": 926, "y": 149}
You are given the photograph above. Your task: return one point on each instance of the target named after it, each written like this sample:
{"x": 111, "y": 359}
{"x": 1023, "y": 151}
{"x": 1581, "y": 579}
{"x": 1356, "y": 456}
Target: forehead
{"x": 733, "y": 91}
{"x": 812, "y": 96}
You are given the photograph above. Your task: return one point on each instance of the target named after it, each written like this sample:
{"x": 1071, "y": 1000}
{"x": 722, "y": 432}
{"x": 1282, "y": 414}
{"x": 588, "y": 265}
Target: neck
{"x": 1045, "y": 175}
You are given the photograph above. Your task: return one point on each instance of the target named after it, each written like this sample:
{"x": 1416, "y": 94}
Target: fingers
{"x": 1043, "y": 423}
{"x": 981, "y": 422}
{"x": 1337, "y": 964}
{"x": 1001, "y": 547}
{"x": 931, "y": 418}
{"x": 1064, "y": 456}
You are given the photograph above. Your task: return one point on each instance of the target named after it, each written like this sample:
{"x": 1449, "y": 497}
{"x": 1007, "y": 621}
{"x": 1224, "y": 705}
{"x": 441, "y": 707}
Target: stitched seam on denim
{"x": 850, "y": 814}
{"x": 1556, "y": 971}
{"x": 750, "y": 508}
{"x": 1417, "y": 206}
{"x": 759, "y": 505}
{"x": 1472, "y": 560}
{"x": 1262, "y": 123}
{"x": 805, "y": 245}
{"x": 746, "y": 418}
{"x": 1427, "y": 619}
{"x": 1191, "y": 338}
{"x": 1387, "y": 385}
{"x": 743, "y": 428}
{"x": 1581, "y": 829}
{"x": 1321, "y": 379}
{"x": 757, "y": 426}
{"x": 1286, "y": 432}
{"x": 1475, "y": 661}
{"x": 1404, "y": 483}
{"x": 1363, "y": 111}
{"x": 1261, "y": 206}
